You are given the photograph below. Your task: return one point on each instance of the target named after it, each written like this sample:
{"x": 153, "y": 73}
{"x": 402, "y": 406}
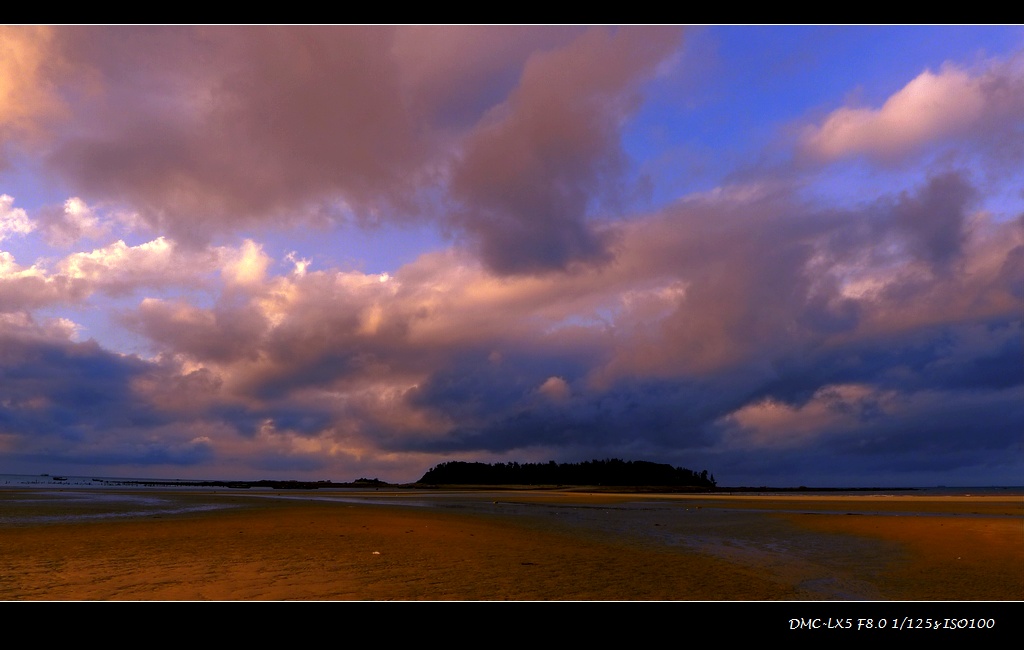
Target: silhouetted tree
{"x": 613, "y": 472}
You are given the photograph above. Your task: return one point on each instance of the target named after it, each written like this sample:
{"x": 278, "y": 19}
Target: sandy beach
{"x": 508, "y": 546}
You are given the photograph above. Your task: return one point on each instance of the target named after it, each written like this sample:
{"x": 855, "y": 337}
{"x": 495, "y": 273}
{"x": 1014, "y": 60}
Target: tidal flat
{"x": 536, "y": 545}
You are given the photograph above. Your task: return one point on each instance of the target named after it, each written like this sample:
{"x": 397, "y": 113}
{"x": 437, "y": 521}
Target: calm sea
{"x": 26, "y": 499}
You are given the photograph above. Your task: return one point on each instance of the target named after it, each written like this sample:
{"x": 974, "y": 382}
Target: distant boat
{"x": 59, "y": 478}
{"x": 44, "y": 474}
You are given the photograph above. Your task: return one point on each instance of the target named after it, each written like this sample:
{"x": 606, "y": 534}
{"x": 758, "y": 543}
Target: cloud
{"x": 934, "y": 219}
{"x": 773, "y": 423}
{"x": 13, "y": 220}
{"x": 555, "y": 388}
{"x": 530, "y": 171}
{"x": 33, "y": 74}
{"x": 61, "y": 397}
{"x": 743, "y": 328}
{"x": 213, "y": 336}
{"x": 953, "y": 103}
{"x": 73, "y": 221}
{"x": 209, "y": 129}
{"x": 247, "y": 266}
{"x": 120, "y": 269}
{"x": 726, "y": 323}
{"x": 455, "y": 75}
{"x": 30, "y": 288}
{"x": 67, "y": 403}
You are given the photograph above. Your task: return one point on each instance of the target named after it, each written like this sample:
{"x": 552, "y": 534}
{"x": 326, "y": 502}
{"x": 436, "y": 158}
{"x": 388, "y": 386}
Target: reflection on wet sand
{"x": 553, "y": 545}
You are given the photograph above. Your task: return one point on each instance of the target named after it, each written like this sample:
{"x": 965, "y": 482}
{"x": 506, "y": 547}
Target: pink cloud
{"x": 200, "y": 129}
{"x": 699, "y": 289}
{"x": 528, "y": 172}
{"x": 27, "y": 288}
{"x": 770, "y": 423}
{"x": 954, "y": 102}
{"x": 72, "y": 221}
{"x": 33, "y": 74}
{"x": 217, "y": 336}
{"x": 453, "y": 75}
{"x": 13, "y": 220}
{"x": 121, "y": 269}
{"x": 203, "y": 129}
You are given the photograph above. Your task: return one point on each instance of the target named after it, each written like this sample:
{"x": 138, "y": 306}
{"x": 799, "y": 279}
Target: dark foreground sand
{"x": 698, "y": 548}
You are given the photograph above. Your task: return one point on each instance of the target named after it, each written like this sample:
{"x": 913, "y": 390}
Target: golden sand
{"x": 287, "y": 549}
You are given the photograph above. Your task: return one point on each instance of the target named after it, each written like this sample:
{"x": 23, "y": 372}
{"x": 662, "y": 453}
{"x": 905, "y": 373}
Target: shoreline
{"x": 529, "y": 545}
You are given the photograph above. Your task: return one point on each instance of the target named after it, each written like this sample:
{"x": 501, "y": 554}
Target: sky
{"x": 789, "y": 255}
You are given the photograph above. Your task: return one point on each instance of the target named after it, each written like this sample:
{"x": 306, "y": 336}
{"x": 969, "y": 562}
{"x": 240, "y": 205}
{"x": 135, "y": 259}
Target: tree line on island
{"x": 611, "y": 471}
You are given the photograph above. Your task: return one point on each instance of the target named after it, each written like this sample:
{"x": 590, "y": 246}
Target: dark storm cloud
{"x": 654, "y": 416}
{"x": 248, "y": 420}
{"x": 933, "y": 220}
{"x": 472, "y": 386}
{"x": 948, "y": 405}
{"x": 144, "y": 456}
{"x": 71, "y": 378}
{"x": 75, "y": 400}
{"x": 76, "y": 403}
{"x": 975, "y": 355}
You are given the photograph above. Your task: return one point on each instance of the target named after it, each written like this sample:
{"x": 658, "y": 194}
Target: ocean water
{"x": 81, "y": 482}
{"x": 95, "y": 481}
{"x": 26, "y": 499}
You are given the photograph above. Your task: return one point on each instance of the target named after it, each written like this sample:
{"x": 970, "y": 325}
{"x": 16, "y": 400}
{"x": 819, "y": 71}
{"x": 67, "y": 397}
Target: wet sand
{"x": 517, "y": 546}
